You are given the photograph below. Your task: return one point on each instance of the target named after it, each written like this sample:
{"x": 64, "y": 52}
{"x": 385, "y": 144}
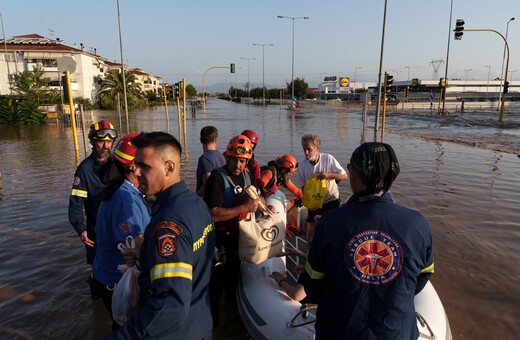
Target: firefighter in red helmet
{"x": 88, "y": 188}
{"x": 276, "y": 173}
{"x": 252, "y": 165}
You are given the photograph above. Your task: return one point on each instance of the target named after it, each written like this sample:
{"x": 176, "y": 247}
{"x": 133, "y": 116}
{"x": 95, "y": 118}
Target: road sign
{"x": 66, "y": 64}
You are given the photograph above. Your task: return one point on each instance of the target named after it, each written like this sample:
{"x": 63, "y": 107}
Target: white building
{"x": 25, "y": 52}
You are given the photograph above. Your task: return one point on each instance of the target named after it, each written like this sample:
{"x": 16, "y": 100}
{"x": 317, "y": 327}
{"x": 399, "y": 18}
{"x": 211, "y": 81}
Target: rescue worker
{"x": 276, "y": 173}
{"x": 88, "y": 189}
{"x": 122, "y": 213}
{"x": 176, "y": 255}
{"x": 369, "y": 258}
{"x": 210, "y": 159}
{"x": 252, "y": 165}
{"x": 328, "y": 168}
{"x": 227, "y": 200}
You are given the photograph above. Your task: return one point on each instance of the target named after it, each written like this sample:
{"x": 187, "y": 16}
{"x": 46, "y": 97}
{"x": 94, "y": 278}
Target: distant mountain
{"x": 224, "y": 87}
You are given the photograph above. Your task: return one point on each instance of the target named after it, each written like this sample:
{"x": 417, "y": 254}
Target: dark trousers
{"x": 105, "y": 293}
{"x": 327, "y": 206}
{"x": 225, "y": 276}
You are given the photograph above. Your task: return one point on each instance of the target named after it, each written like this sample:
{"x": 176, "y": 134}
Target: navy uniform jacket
{"x": 176, "y": 258}
{"x": 365, "y": 263}
{"x": 87, "y": 192}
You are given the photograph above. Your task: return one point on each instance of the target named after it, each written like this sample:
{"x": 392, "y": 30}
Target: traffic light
{"x": 442, "y": 82}
{"x": 389, "y": 79}
{"x": 459, "y": 27}
{"x": 65, "y": 85}
{"x": 232, "y": 67}
{"x": 506, "y": 87}
{"x": 176, "y": 90}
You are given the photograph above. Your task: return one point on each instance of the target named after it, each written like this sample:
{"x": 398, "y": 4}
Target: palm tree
{"x": 112, "y": 84}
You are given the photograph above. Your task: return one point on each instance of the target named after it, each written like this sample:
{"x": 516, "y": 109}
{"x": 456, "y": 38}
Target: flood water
{"x": 461, "y": 172}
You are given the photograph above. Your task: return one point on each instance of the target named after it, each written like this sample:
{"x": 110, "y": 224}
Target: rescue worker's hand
{"x": 322, "y": 175}
{"x": 252, "y": 205}
{"x": 277, "y": 277}
{"x": 292, "y": 251}
{"x": 299, "y": 269}
{"x": 131, "y": 256}
{"x": 84, "y": 238}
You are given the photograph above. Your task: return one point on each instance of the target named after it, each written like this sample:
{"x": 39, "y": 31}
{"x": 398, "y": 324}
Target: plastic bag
{"x": 314, "y": 192}
{"x": 125, "y": 298}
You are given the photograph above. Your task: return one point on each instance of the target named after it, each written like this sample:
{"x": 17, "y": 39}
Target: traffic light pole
{"x": 384, "y": 108}
{"x": 503, "y": 98}
{"x": 447, "y": 60}
{"x": 378, "y": 107}
{"x": 231, "y": 68}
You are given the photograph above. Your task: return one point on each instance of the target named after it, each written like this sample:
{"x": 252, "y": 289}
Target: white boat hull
{"x": 268, "y": 313}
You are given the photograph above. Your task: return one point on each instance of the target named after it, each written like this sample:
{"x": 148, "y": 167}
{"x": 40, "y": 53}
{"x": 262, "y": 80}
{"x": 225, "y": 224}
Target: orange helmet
{"x": 124, "y": 152}
{"x": 240, "y": 146}
{"x": 102, "y": 130}
{"x": 287, "y": 163}
{"x": 253, "y": 136}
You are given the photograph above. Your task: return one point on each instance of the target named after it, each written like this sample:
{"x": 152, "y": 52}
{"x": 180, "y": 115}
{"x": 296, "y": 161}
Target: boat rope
{"x": 304, "y": 311}
{"x": 423, "y": 323}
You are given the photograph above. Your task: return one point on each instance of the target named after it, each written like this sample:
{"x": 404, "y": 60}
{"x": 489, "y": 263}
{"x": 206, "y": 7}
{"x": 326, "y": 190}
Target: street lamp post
{"x": 122, "y": 67}
{"x": 379, "y": 82}
{"x": 6, "y": 60}
{"x": 355, "y": 76}
{"x": 408, "y": 77}
{"x": 397, "y": 75}
{"x": 248, "y": 83}
{"x": 503, "y": 58}
{"x": 487, "y": 86}
{"x": 263, "y": 69}
{"x": 292, "y": 71}
{"x": 466, "y": 82}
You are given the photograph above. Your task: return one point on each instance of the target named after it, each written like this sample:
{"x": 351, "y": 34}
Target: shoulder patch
{"x": 125, "y": 227}
{"x": 373, "y": 257}
{"x": 76, "y": 180}
{"x": 167, "y": 242}
{"x": 167, "y": 245}
{"x": 170, "y": 226}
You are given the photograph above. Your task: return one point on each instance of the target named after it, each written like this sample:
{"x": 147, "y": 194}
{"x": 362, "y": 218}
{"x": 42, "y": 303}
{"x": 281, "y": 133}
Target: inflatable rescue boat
{"x": 268, "y": 313}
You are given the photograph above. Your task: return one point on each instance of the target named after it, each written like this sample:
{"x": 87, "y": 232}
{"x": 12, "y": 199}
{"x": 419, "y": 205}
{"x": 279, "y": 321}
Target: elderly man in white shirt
{"x": 327, "y": 167}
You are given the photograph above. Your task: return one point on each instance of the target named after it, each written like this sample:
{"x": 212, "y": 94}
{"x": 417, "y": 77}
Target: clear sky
{"x": 181, "y": 39}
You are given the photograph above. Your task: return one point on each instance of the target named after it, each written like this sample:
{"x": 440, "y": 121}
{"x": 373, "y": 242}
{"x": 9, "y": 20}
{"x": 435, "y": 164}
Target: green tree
{"x": 191, "y": 91}
{"x": 20, "y": 111}
{"x": 33, "y": 86}
{"x": 256, "y": 92}
{"x": 153, "y": 98}
{"x": 300, "y": 87}
{"x": 112, "y": 84}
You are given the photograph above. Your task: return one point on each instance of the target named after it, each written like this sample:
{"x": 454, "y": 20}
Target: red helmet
{"x": 253, "y": 136}
{"x": 240, "y": 146}
{"x": 102, "y": 130}
{"x": 124, "y": 152}
{"x": 287, "y": 163}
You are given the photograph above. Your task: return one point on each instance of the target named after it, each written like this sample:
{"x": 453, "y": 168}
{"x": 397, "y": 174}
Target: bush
{"x": 25, "y": 112}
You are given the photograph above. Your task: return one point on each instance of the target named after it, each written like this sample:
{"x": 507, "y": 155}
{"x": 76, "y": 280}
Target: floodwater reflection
{"x": 468, "y": 194}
